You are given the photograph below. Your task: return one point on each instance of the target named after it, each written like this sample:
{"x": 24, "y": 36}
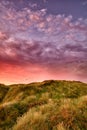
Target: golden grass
{"x": 50, "y": 105}
{"x": 52, "y": 116}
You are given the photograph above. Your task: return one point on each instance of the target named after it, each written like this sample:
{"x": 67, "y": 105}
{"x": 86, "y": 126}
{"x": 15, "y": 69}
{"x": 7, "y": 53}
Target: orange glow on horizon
{"x": 26, "y": 74}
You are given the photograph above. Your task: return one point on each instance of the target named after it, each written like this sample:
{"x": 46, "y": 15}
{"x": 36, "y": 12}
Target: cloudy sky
{"x": 43, "y": 39}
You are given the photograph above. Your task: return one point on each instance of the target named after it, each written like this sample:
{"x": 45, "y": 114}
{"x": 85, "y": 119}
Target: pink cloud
{"x": 53, "y": 43}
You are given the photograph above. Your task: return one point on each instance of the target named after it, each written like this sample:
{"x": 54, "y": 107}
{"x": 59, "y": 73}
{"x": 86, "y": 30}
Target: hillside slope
{"x": 47, "y": 105}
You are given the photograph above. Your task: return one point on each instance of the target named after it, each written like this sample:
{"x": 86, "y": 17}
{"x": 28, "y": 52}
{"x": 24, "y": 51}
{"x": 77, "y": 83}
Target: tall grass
{"x": 49, "y": 105}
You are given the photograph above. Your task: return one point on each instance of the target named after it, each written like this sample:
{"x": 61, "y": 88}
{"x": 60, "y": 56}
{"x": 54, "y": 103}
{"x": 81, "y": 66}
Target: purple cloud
{"x": 54, "y": 41}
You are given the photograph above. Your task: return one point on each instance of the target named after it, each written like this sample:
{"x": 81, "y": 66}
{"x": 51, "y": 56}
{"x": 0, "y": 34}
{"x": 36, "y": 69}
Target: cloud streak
{"x": 54, "y": 42}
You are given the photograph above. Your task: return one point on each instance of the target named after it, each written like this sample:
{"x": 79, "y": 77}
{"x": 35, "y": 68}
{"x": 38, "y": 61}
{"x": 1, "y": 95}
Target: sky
{"x": 43, "y": 40}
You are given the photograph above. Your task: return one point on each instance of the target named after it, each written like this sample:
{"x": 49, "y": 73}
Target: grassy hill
{"x": 47, "y": 105}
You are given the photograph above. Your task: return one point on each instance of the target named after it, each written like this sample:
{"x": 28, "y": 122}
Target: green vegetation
{"x": 47, "y": 105}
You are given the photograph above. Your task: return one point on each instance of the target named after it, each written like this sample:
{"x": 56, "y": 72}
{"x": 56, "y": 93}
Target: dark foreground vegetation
{"x": 48, "y": 105}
